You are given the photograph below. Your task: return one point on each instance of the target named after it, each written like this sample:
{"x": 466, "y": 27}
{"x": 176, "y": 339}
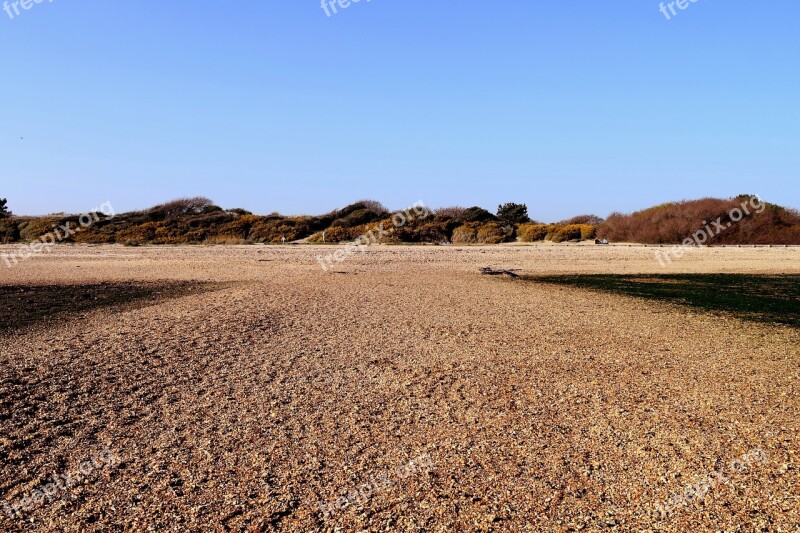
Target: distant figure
{"x": 283, "y": 239}
{"x": 323, "y": 236}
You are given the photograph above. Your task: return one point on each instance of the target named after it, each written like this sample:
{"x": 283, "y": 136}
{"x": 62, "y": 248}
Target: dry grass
{"x": 543, "y": 407}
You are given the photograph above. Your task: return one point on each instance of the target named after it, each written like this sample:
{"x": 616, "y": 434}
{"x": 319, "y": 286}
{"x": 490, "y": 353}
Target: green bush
{"x": 513, "y": 214}
{"x": 475, "y": 214}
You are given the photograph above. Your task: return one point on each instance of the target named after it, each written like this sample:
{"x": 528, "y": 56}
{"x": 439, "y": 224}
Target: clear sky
{"x": 576, "y": 106}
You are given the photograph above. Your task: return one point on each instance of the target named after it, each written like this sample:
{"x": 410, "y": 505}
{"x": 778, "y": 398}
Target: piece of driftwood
{"x": 489, "y": 271}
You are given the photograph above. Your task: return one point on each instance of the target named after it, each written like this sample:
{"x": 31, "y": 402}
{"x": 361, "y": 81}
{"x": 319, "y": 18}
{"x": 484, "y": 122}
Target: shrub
{"x": 449, "y": 212}
{"x": 466, "y": 234}
{"x": 9, "y": 230}
{"x": 182, "y": 207}
{"x": 476, "y": 233}
{"x": 494, "y": 233}
{"x": 4, "y": 212}
{"x": 426, "y": 230}
{"x": 356, "y": 218}
{"x": 572, "y": 232}
{"x": 271, "y": 229}
{"x": 374, "y": 206}
{"x": 588, "y": 231}
{"x": 239, "y": 228}
{"x": 533, "y": 232}
{"x": 339, "y": 234}
{"x": 475, "y": 214}
{"x": 197, "y": 235}
{"x": 592, "y": 220}
{"x": 93, "y": 237}
{"x": 672, "y": 223}
{"x": 225, "y": 240}
{"x": 142, "y": 233}
{"x": 31, "y": 229}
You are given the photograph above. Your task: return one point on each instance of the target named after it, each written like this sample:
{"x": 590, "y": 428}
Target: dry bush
{"x": 271, "y": 229}
{"x": 356, "y": 218}
{"x": 588, "y": 231}
{"x": 615, "y": 228}
{"x": 93, "y": 237}
{"x": 374, "y": 206}
{"x": 193, "y": 220}
{"x": 494, "y": 233}
{"x": 31, "y": 229}
{"x": 196, "y": 236}
{"x": 240, "y": 228}
{"x": 221, "y": 239}
{"x": 477, "y": 233}
{"x": 436, "y": 231}
{"x": 466, "y": 234}
{"x": 356, "y": 214}
{"x": 572, "y": 232}
{"x": 672, "y": 223}
{"x": 181, "y": 207}
{"x": 533, "y": 232}
{"x": 336, "y": 234}
{"x": 454, "y": 211}
{"x": 9, "y": 230}
{"x": 592, "y": 220}
{"x": 143, "y": 233}
{"x": 565, "y": 233}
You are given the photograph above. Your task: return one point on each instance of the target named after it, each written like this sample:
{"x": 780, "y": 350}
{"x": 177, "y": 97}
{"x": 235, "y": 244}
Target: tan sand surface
{"x": 535, "y": 407}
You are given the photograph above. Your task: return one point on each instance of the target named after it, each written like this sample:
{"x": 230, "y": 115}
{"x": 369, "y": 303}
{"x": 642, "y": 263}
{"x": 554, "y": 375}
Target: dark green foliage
{"x": 356, "y": 218}
{"x": 357, "y": 214}
{"x": 9, "y": 230}
{"x": 513, "y": 214}
{"x": 475, "y": 214}
{"x": 4, "y": 212}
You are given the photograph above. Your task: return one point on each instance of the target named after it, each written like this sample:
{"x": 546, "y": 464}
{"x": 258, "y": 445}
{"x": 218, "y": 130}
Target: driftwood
{"x": 489, "y": 271}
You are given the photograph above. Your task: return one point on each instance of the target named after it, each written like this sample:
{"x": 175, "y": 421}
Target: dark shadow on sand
{"x": 758, "y": 298}
{"x": 24, "y": 305}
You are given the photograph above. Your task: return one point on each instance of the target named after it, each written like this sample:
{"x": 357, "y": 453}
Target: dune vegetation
{"x": 200, "y": 221}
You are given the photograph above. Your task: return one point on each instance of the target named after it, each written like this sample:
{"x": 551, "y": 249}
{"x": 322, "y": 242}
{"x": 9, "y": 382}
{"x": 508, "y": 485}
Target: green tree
{"x": 4, "y": 212}
{"x": 475, "y": 214}
{"x": 513, "y": 213}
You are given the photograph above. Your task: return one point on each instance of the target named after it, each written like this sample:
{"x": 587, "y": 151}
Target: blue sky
{"x": 569, "y": 106}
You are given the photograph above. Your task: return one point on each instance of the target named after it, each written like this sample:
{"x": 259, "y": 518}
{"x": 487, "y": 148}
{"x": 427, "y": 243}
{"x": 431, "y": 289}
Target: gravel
{"x": 280, "y": 388}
